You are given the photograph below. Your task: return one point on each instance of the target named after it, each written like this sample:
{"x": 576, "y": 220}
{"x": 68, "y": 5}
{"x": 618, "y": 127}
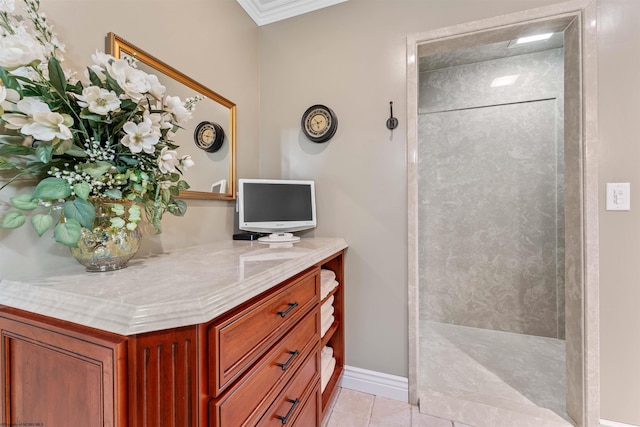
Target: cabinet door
{"x": 56, "y": 377}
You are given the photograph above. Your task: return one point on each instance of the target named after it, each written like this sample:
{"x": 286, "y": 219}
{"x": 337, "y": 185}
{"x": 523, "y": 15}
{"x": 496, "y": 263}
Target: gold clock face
{"x": 319, "y": 123}
{"x": 209, "y": 136}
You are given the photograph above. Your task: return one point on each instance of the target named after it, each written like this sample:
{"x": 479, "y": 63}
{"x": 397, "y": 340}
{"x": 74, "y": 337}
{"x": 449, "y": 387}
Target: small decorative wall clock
{"x": 209, "y": 136}
{"x": 319, "y": 123}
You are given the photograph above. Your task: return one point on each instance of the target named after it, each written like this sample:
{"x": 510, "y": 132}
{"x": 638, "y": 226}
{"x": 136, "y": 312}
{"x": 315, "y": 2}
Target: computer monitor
{"x": 276, "y": 206}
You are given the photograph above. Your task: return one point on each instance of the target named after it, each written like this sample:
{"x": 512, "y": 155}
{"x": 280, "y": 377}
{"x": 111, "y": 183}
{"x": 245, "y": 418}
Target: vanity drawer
{"x": 294, "y": 399}
{"x": 236, "y": 343}
{"x": 244, "y": 403}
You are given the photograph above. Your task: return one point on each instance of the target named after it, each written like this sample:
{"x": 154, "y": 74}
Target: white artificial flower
{"x": 19, "y": 49}
{"x": 38, "y": 121}
{"x": 156, "y": 122}
{"x": 167, "y": 160}
{"x": 157, "y": 89}
{"x": 134, "y": 82}
{"x": 139, "y": 137}
{"x": 102, "y": 59}
{"x": 99, "y": 101}
{"x": 174, "y": 105}
{"x": 186, "y": 162}
{"x": 6, "y": 6}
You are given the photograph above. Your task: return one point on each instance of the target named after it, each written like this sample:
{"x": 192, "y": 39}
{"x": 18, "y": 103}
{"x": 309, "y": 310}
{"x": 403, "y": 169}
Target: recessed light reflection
{"x": 504, "y": 80}
{"x": 535, "y": 38}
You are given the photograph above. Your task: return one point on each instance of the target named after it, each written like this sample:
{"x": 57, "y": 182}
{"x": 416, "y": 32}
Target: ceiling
{"x": 265, "y": 12}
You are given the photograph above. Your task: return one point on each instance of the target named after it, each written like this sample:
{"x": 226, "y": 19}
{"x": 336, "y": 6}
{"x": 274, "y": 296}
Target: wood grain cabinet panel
{"x": 54, "y": 375}
{"x": 242, "y": 404}
{"x": 287, "y": 406}
{"x": 239, "y": 341}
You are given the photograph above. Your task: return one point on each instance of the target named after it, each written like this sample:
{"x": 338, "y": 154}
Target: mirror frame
{"x": 117, "y": 45}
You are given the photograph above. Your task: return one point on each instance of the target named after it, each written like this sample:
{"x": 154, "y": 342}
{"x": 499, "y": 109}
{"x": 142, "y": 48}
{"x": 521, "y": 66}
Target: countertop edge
{"x": 127, "y": 319}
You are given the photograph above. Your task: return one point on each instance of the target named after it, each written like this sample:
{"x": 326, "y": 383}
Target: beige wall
{"x": 619, "y": 149}
{"x": 214, "y": 42}
{"x": 352, "y": 57}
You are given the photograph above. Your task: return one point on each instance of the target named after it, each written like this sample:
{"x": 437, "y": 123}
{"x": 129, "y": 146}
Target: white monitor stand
{"x": 279, "y": 238}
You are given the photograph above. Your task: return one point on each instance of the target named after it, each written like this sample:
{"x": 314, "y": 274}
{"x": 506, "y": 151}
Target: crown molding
{"x": 265, "y": 12}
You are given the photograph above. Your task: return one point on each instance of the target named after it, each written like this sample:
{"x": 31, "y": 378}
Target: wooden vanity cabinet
{"x": 257, "y": 364}
{"x": 56, "y": 373}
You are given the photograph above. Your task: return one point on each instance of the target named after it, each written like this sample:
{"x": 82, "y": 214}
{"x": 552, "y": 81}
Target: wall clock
{"x": 319, "y": 123}
{"x": 209, "y": 136}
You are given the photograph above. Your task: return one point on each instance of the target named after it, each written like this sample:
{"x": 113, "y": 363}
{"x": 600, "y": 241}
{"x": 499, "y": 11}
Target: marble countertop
{"x": 178, "y": 288}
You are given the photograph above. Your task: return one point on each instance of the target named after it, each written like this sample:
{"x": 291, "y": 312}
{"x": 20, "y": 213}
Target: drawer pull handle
{"x": 292, "y": 305}
{"x": 293, "y": 354}
{"x": 286, "y": 417}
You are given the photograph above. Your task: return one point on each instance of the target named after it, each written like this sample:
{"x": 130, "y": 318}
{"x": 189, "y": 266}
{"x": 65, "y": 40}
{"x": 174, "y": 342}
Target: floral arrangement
{"x": 106, "y": 135}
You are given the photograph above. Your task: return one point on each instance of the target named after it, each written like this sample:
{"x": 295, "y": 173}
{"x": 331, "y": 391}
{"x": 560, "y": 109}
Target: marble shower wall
{"x": 491, "y": 214}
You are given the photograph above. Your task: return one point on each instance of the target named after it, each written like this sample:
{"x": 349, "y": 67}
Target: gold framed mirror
{"x": 214, "y": 173}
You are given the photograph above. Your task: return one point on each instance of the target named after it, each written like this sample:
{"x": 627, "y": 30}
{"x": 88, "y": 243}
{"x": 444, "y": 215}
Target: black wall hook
{"x": 392, "y": 122}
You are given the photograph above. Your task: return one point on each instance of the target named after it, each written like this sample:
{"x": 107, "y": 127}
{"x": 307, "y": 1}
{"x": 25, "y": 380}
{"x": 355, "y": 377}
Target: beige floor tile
{"x": 423, "y": 420}
{"x": 354, "y": 402}
{"x": 391, "y": 411}
{"x": 375, "y": 423}
{"x": 347, "y": 419}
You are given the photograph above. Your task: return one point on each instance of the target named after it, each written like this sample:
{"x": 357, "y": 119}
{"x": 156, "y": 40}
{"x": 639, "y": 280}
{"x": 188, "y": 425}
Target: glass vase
{"x": 106, "y": 248}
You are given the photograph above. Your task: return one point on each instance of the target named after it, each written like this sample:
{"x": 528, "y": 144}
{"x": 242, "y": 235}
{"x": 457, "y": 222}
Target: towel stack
{"x": 328, "y": 364}
{"x": 328, "y": 283}
{"x": 326, "y": 315}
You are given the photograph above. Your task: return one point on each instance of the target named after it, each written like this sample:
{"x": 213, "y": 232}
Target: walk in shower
{"x": 491, "y": 232}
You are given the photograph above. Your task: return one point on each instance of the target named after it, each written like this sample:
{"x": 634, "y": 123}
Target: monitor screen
{"x": 276, "y": 206}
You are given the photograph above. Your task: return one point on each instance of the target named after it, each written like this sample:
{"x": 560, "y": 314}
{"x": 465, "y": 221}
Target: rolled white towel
{"x": 326, "y": 352}
{"x": 327, "y": 287}
{"x": 327, "y": 275}
{"x": 326, "y": 309}
{"x": 326, "y": 317}
{"x": 325, "y": 325}
{"x": 325, "y": 374}
{"x": 328, "y": 302}
{"x": 324, "y": 361}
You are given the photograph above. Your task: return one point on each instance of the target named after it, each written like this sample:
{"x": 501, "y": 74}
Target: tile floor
{"x": 356, "y": 409}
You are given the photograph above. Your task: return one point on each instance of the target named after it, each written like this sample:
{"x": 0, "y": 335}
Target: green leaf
{"x": 178, "y": 208}
{"x": 68, "y": 233}
{"x": 44, "y": 152}
{"x": 41, "y": 223}
{"x": 13, "y": 219}
{"x": 113, "y": 193}
{"x": 85, "y": 114}
{"x": 52, "y": 188}
{"x": 95, "y": 80}
{"x": 117, "y": 209}
{"x": 82, "y": 190}
{"x": 15, "y": 150}
{"x": 81, "y": 211}
{"x": 96, "y": 169}
{"x": 24, "y": 202}
{"x": 134, "y": 213}
{"x": 117, "y": 222}
{"x": 76, "y": 152}
{"x": 12, "y": 139}
{"x": 6, "y": 165}
{"x": 128, "y": 160}
{"x": 113, "y": 85}
{"x": 57, "y": 77}
{"x": 9, "y": 80}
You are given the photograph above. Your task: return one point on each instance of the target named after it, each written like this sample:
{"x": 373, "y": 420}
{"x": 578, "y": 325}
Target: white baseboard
{"x": 376, "y": 383}
{"x": 607, "y": 423}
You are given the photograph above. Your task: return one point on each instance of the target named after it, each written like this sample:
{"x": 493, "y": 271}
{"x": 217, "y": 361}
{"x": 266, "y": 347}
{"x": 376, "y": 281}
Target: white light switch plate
{"x": 618, "y": 196}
